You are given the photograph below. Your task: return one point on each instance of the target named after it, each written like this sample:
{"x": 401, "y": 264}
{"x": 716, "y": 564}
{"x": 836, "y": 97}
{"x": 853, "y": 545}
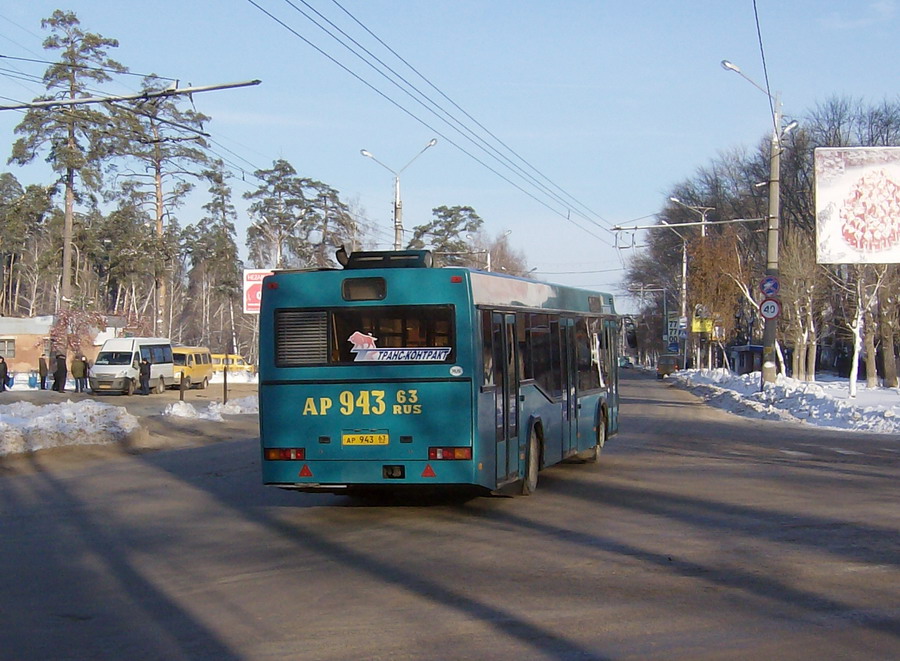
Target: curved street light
{"x": 772, "y": 232}
{"x": 701, "y": 210}
{"x": 398, "y": 205}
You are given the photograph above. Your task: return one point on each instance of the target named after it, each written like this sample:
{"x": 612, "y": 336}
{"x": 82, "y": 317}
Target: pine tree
{"x": 74, "y": 136}
{"x": 167, "y": 143}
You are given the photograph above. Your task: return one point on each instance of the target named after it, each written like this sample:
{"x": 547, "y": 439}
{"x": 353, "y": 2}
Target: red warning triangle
{"x": 305, "y": 472}
{"x": 428, "y": 472}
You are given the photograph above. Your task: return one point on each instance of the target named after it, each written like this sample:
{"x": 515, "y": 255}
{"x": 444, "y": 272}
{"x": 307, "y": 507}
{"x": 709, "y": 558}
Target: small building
{"x": 745, "y": 358}
{"x": 23, "y": 340}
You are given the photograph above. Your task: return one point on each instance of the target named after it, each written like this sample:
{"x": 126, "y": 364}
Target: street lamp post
{"x": 683, "y": 286}
{"x": 701, "y": 210}
{"x": 772, "y": 230}
{"x": 398, "y": 205}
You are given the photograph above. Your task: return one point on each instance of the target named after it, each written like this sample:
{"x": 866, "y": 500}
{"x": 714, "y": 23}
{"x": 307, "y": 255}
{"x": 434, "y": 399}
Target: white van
{"x": 117, "y": 368}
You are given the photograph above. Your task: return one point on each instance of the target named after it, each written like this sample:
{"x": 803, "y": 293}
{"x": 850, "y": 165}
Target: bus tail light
{"x": 438, "y": 454}
{"x": 284, "y": 454}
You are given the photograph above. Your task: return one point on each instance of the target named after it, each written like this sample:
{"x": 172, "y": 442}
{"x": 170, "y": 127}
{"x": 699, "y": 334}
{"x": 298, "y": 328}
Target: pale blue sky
{"x": 614, "y": 102}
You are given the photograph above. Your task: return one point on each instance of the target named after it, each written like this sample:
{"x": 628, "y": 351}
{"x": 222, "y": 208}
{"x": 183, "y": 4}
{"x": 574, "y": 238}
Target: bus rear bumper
{"x": 338, "y": 476}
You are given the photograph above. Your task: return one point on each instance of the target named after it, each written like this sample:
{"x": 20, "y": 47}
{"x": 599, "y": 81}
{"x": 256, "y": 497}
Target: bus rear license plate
{"x": 364, "y": 439}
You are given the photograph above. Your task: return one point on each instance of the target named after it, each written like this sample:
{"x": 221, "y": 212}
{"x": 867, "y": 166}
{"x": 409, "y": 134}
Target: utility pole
{"x": 772, "y": 233}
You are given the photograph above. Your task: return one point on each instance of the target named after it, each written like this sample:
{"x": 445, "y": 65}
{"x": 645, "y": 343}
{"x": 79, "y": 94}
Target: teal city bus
{"x": 389, "y": 373}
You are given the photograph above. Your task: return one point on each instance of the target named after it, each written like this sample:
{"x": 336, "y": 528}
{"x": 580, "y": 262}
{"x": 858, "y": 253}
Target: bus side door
{"x": 506, "y": 403}
{"x": 569, "y": 378}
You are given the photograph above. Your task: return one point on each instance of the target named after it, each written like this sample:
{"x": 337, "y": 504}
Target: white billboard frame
{"x": 857, "y": 193}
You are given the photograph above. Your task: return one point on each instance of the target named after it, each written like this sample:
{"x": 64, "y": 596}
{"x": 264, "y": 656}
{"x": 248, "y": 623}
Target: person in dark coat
{"x": 4, "y": 374}
{"x": 60, "y": 375}
{"x": 145, "y": 376}
{"x": 79, "y": 373}
{"x": 43, "y": 371}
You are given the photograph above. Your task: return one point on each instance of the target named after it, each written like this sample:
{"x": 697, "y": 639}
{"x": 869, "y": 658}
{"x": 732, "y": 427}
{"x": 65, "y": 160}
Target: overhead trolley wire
{"x": 468, "y": 115}
{"x": 460, "y": 126}
{"x": 410, "y": 113}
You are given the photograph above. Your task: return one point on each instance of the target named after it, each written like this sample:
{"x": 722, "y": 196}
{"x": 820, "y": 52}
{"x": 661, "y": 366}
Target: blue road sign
{"x": 769, "y": 286}
{"x": 673, "y": 347}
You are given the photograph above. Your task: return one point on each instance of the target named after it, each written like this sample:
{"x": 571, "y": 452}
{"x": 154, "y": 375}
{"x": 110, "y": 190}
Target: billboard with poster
{"x": 857, "y": 205}
{"x": 253, "y": 289}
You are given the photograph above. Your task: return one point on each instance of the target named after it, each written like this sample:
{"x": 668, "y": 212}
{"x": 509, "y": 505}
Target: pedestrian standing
{"x": 60, "y": 374}
{"x": 145, "y": 376}
{"x": 42, "y": 370}
{"x": 78, "y": 371}
{"x": 4, "y": 374}
{"x": 87, "y": 373}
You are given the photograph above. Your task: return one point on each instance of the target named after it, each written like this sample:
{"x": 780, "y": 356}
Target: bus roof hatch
{"x": 389, "y": 259}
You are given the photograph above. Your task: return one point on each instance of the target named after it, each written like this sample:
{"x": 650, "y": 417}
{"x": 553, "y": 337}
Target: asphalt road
{"x": 699, "y": 536}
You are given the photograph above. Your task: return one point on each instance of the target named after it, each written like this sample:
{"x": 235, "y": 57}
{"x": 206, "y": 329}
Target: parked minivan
{"x": 193, "y": 366}
{"x": 117, "y": 368}
{"x": 234, "y": 362}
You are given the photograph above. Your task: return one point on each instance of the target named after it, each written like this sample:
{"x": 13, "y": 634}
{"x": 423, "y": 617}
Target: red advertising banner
{"x": 253, "y": 289}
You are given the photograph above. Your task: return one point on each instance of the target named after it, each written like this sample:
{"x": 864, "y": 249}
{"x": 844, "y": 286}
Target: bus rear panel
{"x": 367, "y": 391}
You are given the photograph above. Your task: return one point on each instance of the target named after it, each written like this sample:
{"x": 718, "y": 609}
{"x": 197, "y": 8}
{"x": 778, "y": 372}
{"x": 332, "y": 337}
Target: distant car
{"x": 625, "y": 362}
{"x": 667, "y": 364}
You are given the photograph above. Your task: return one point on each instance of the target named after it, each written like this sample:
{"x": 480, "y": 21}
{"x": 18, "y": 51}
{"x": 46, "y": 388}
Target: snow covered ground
{"x": 25, "y": 427}
{"x": 824, "y": 403}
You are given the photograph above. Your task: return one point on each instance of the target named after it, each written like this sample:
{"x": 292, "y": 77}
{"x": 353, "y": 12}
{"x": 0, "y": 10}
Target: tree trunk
{"x": 812, "y": 347}
{"x": 68, "y": 231}
{"x": 887, "y": 348}
{"x": 856, "y": 329}
{"x": 871, "y": 368}
{"x": 798, "y": 360}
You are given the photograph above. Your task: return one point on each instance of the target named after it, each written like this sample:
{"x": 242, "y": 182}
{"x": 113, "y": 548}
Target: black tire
{"x": 161, "y": 386}
{"x": 129, "y": 388}
{"x": 530, "y": 480}
{"x": 187, "y": 383}
{"x": 203, "y": 384}
{"x": 601, "y": 441}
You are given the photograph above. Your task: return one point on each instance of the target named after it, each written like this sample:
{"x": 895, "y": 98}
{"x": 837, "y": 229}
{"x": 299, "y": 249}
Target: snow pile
{"x": 234, "y": 377}
{"x": 824, "y": 404}
{"x": 25, "y": 427}
{"x": 215, "y": 410}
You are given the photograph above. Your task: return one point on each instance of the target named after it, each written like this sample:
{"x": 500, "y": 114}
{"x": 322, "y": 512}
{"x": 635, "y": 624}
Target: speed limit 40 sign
{"x": 770, "y": 308}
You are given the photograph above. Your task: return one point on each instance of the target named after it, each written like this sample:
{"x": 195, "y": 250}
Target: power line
{"x": 468, "y": 115}
{"x": 88, "y": 68}
{"x": 413, "y": 115}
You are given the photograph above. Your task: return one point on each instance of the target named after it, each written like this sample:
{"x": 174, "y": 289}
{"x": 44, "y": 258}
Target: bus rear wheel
{"x": 203, "y": 384}
{"x": 601, "y": 440}
{"x": 161, "y": 386}
{"x": 529, "y": 483}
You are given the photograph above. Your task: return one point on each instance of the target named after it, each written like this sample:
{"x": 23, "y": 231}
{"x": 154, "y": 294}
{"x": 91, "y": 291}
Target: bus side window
{"x": 588, "y": 376}
{"x": 556, "y": 374}
{"x": 524, "y": 359}
{"x": 487, "y": 350}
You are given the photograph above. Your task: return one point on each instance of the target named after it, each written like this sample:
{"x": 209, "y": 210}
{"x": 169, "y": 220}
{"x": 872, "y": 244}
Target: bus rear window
{"x": 407, "y": 334}
{"x": 364, "y": 289}
{"x": 420, "y": 334}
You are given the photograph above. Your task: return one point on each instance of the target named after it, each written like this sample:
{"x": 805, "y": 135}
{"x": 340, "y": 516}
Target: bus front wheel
{"x": 529, "y": 483}
{"x": 129, "y": 387}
